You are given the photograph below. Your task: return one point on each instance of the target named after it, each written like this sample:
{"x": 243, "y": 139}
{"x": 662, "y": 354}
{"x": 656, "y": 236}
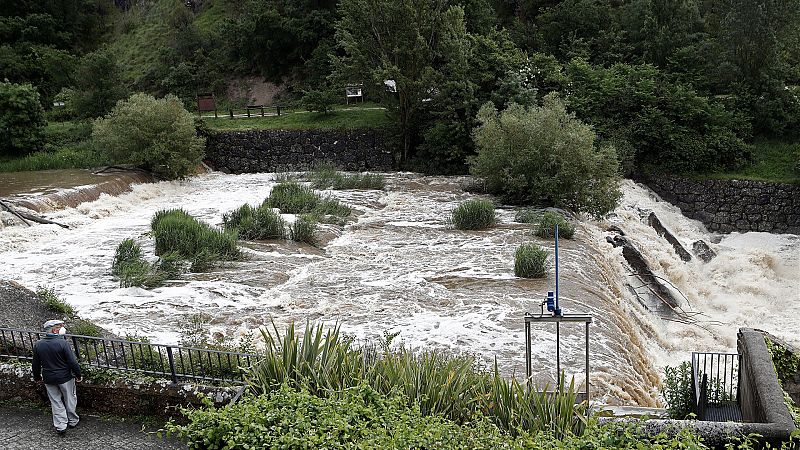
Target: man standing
{"x": 54, "y": 360}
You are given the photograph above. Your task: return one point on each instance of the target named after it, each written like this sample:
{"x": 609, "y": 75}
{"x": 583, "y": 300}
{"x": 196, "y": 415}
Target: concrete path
{"x": 24, "y": 427}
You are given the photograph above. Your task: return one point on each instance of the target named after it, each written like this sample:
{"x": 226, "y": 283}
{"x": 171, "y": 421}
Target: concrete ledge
{"x": 121, "y": 397}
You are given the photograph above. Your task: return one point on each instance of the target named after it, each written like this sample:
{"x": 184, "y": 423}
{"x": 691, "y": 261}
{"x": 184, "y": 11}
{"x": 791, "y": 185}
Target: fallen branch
{"x": 33, "y": 218}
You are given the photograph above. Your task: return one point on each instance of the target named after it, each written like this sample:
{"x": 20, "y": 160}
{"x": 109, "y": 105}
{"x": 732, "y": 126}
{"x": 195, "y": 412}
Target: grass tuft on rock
{"x": 303, "y": 230}
{"x": 546, "y": 226}
{"x": 177, "y": 231}
{"x": 530, "y": 261}
{"x": 255, "y": 223}
{"x": 52, "y": 302}
{"x": 327, "y": 176}
{"x": 474, "y": 214}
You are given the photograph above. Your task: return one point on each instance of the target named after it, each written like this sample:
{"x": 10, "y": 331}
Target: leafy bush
{"x": 677, "y": 390}
{"x": 21, "y": 119}
{"x": 358, "y": 417}
{"x": 320, "y": 101}
{"x": 86, "y": 328}
{"x": 52, "y": 302}
{"x": 302, "y": 230}
{"x": 547, "y": 222}
{"x": 157, "y": 134}
{"x": 177, "y": 231}
{"x": 255, "y": 223}
{"x": 530, "y": 261}
{"x": 325, "y": 362}
{"x": 544, "y": 155}
{"x": 326, "y": 176}
{"x": 473, "y": 214}
{"x": 786, "y": 363}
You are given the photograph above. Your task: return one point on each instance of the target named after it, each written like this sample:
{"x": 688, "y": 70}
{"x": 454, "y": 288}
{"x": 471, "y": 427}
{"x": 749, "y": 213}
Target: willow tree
{"x": 407, "y": 41}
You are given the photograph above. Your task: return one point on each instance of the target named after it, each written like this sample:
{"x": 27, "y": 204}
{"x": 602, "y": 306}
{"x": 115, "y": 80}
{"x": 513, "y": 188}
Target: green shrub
{"x": 320, "y": 101}
{"x": 303, "y": 230}
{"x": 473, "y": 214}
{"x": 156, "y": 134}
{"x": 530, "y": 261}
{"x": 356, "y": 418}
{"x": 21, "y": 119}
{"x": 177, "y": 231}
{"x": 255, "y": 223}
{"x": 52, "y": 302}
{"x": 292, "y": 198}
{"x": 544, "y": 155}
{"x": 86, "y": 328}
{"x": 677, "y": 390}
{"x": 786, "y": 363}
{"x": 547, "y": 222}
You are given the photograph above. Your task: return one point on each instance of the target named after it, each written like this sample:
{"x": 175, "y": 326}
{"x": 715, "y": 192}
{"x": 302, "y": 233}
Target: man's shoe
{"x": 73, "y": 426}
{"x": 61, "y": 432}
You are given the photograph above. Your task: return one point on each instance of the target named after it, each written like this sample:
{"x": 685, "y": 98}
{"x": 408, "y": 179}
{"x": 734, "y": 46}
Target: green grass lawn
{"x": 343, "y": 118}
{"x": 772, "y": 161}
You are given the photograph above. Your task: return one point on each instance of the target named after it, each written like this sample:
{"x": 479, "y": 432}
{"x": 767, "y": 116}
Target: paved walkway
{"x": 23, "y": 428}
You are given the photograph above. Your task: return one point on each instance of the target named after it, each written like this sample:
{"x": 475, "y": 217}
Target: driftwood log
{"x": 25, "y": 217}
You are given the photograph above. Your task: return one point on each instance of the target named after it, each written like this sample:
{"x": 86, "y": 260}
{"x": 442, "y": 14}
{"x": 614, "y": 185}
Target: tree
{"x": 98, "y": 85}
{"x": 408, "y": 41}
{"x": 543, "y": 154}
{"x": 156, "y": 134}
{"x": 21, "y": 119}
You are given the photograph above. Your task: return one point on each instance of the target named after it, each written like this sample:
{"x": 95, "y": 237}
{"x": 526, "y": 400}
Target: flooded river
{"x": 397, "y": 266}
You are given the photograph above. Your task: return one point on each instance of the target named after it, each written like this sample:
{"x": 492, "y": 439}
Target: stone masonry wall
{"x": 279, "y": 150}
{"x": 734, "y": 205}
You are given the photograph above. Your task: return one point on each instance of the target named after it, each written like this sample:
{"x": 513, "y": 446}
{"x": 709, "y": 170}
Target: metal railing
{"x": 158, "y": 360}
{"x": 715, "y": 382}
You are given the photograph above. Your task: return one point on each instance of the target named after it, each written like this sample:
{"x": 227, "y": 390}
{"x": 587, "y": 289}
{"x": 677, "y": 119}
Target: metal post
{"x": 528, "y": 368}
{"x": 587, "y": 363}
{"x": 278, "y": 108}
{"x": 262, "y": 110}
{"x": 231, "y": 111}
{"x": 558, "y": 307}
{"x": 75, "y": 346}
{"x": 215, "y": 113}
{"x": 558, "y": 355}
{"x": 248, "y": 112}
{"x": 172, "y": 365}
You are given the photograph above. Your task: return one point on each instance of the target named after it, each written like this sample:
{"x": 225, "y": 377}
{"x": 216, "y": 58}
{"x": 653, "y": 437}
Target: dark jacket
{"x": 54, "y": 360}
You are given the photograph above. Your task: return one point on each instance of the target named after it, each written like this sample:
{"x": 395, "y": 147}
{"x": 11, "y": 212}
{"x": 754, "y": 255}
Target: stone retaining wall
{"x": 733, "y": 205}
{"x": 278, "y": 150}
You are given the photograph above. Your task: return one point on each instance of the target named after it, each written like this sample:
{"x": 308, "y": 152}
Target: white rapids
{"x": 399, "y": 267}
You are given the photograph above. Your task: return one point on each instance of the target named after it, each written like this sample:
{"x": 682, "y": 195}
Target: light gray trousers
{"x": 63, "y": 401}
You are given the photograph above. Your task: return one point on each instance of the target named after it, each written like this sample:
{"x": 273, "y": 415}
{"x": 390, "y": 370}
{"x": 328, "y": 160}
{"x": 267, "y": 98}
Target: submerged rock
{"x": 703, "y": 251}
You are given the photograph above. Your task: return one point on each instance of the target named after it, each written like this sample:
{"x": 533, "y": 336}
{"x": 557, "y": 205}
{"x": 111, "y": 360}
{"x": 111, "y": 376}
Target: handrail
{"x": 715, "y": 380}
{"x": 163, "y": 360}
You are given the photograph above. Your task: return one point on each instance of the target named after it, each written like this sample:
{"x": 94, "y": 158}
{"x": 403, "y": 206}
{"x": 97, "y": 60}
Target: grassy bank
{"x": 339, "y": 119}
{"x": 67, "y": 145}
{"x": 772, "y": 161}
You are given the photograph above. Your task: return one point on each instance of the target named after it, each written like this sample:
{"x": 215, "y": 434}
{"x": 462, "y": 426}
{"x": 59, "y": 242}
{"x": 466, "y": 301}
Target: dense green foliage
{"x": 157, "y": 134}
{"x": 677, "y": 390}
{"x": 325, "y": 362}
{"x": 546, "y": 226}
{"x": 543, "y": 154}
{"x": 531, "y": 261}
{"x": 21, "y": 119}
{"x": 177, "y": 231}
{"x": 474, "y": 214}
{"x": 674, "y": 85}
{"x": 787, "y": 364}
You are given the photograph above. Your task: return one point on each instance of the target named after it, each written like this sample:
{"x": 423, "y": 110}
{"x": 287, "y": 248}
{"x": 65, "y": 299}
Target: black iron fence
{"x": 158, "y": 360}
{"x": 715, "y": 383}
